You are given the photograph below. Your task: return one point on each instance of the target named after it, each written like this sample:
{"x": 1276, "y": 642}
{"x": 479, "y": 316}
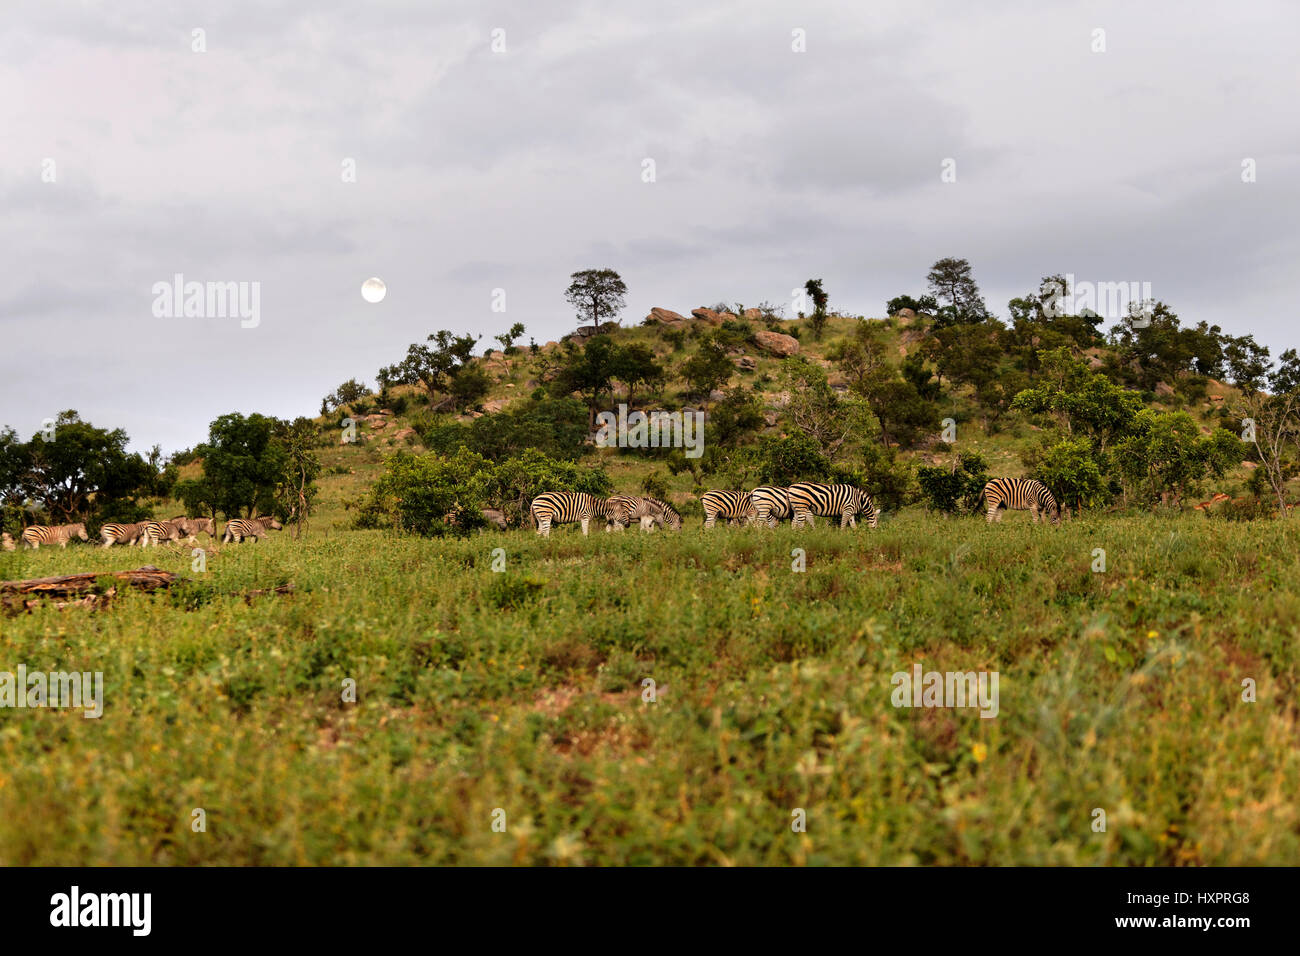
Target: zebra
{"x": 192, "y": 526}
{"x": 661, "y": 513}
{"x": 810, "y": 498}
{"x": 771, "y": 504}
{"x": 60, "y": 534}
{"x": 127, "y": 534}
{"x": 155, "y": 531}
{"x": 1020, "y": 494}
{"x": 237, "y": 529}
{"x": 7, "y": 541}
{"x": 733, "y": 505}
{"x": 566, "y": 507}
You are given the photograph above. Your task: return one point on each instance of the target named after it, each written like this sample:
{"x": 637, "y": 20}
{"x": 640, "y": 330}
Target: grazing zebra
{"x": 1019, "y": 494}
{"x": 733, "y": 505}
{"x": 237, "y": 529}
{"x": 771, "y": 504}
{"x": 566, "y": 507}
{"x": 661, "y": 513}
{"x": 60, "y": 534}
{"x": 7, "y": 541}
{"x": 809, "y": 498}
{"x": 491, "y": 516}
{"x": 127, "y": 534}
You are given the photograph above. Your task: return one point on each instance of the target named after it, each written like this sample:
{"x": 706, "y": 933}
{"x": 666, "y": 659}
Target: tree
{"x": 1070, "y": 471}
{"x": 951, "y": 281}
{"x": 597, "y": 294}
{"x": 242, "y": 463}
{"x": 347, "y": 393}
{"x": 925, "y": 305}
{"x": 956, "y": 486}
{"x": 296, "y": 490}
{"x": 635, "y": 365}
{"x": 1286, "y": 377}
{"x": 469, "y": 386}
{"x": 77, "y": 472}
{"x": 589, "y": 372}
{"x": 508, "y": 338}
{"x": 708, "y": 369}
{"x": 431, "y": 366}
{"x": 1247, "y": 362}
{"x": 1166, "y": 457}
{"x": 1272, "y": 425}
{"x": 1081, "y": 400}
{"x": 817, "y": 411}
{"x": 819, "y": 299}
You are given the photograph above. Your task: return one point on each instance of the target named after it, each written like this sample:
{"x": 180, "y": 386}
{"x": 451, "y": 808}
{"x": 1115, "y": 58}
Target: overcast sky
{"x": 479, "y": 170}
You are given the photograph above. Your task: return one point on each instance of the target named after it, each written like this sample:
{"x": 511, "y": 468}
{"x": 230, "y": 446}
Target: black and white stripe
{"x": 662, "y": 513}
{"x": 127, "y": 534}
{"x": 733, "y": 505}
{"x": 237, "y": 529}
{"x": 60, "y": 534}
{"x": 771, "y": 504}
{"x": 810, "y": 498}
{"x": 567, "y": 507}
{"x": 1020, "y": 494}
{"x": 155, "y": 531}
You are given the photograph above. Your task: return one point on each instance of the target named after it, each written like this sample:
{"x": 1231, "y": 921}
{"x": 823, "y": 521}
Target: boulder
{"x": 717, "y": 395}
{"x": 711, "y": 317}
{"x": 753, "y": 314}
{"x": 404, "y": 434}
{"x": 905, "y": 315}
{"x": 665, "y": 317}
{"x": 774, "y": 343}
{"x": 745, "y": 362}
{"x": 494, "y": 406}
{"x": 1163, "y": 390}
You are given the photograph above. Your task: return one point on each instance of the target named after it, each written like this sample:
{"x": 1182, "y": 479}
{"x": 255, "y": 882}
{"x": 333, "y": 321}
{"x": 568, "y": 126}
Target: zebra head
{"x": 272, "y": 524}
{"x": 865, "y": 505}
{"x": 78, "y": 530}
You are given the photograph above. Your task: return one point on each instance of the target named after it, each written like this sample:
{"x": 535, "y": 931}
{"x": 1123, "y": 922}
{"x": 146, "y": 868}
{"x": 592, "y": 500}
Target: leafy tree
{"x": 346, "y": 394}
{"x": 590, "y": 372}
{"x": 1247, "y": 362}
{"x": 77, "y": 473}
{"x": 951, "y": 281}
{"x": 557, "y": 427}
{"x": 819, "y": 300}
{"x": 925, "y": 305}
{"x": 1166, "y": 457}
{"x": 434, "y": 366}
{"x": 509, "y": 337}
{"x": 956, "y": 486}
{"x": 243, "y": 464}
{"x": 1286, "y": 377}
{"x": 1272, "y": 424}
{"x": 296, "y": 491}
{"x": 469, "y": 386}
{"x": 784, "y": 461}
{"x": 597, "y": 294}
{"x": 635, "y": 366}
{"x": 1070, "y": 471}
{"x": 736, "y": 419}
{"x": 708, "y": 369}
{"x": 1082, "y": 401}
{"x": 817, "y": 411}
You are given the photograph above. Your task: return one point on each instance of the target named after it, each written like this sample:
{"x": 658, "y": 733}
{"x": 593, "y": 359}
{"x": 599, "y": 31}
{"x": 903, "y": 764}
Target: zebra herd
{"x": 144, "y": 533}
{"x": 801, "y": 503}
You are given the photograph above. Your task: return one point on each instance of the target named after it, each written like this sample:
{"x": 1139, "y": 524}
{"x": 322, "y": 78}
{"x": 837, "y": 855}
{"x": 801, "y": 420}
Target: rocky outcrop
{"x": 666, "y": 317}
{"x": 774, "y": 343}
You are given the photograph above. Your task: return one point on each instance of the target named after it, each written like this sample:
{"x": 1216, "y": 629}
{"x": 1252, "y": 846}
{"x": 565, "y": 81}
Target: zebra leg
{"x": 586, "y": 522}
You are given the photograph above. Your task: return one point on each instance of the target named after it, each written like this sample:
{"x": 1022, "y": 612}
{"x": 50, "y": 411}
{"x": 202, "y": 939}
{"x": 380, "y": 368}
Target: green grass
{"x": 522, "y": 691}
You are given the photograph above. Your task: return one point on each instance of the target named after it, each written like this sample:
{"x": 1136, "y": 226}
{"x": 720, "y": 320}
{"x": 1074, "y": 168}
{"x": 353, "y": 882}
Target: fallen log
{"x": 147, "y": 578}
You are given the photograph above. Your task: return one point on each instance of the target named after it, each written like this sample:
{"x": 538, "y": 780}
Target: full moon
{"x": 374, "y": 290}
